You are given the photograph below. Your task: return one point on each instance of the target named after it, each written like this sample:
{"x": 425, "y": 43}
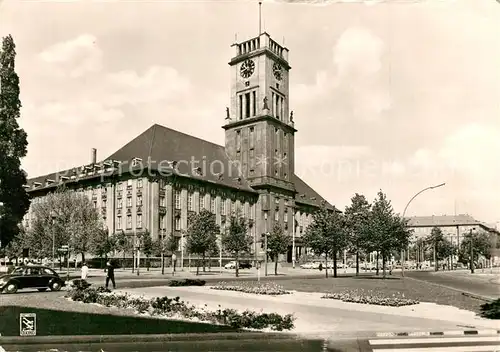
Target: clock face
{"x": 247, "y": 68}
{"x": 277, "y": 71}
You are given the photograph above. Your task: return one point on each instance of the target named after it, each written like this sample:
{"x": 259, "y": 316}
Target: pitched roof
{"x": 447, "y": 220}
{"x": 159, "y": 146}
{"x": 307, "y": 195}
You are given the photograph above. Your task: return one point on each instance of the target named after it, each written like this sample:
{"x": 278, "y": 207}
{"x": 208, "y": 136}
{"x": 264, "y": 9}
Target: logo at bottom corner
{"x": 27, "y": 323}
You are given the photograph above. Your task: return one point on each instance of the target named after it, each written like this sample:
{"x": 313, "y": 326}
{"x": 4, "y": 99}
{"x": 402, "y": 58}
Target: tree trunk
{"x": 334, "y": 263}
{"x": 204, "y": 262}
{"x": 123, "y": 262}
{"x": 147, "y": 263}
{"x": 383, "y": 266}
{"x": 326, "y": 265}
{"x": 436, "y": 266}
{"x": 237, "y": 266}
{"x": 376, "y": 264}
{"x": 198, "y": 266}
{"x": 162, "y": 263}
{"x": 276, "y": 265}
{"x": 83, "y": 257}
{"x": 357, "y": 263}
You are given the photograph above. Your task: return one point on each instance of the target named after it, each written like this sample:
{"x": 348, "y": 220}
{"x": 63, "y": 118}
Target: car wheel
{"x": 11, "y": 288}
{"x": 55, "y": 286}
{"x": 42, "y": 289}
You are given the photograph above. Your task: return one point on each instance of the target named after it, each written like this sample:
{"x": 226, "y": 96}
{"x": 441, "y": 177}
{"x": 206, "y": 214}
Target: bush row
{"x": 371, "y": 297}
{"x": 186, "y": 282}
{"x": 259, "y": 288}
{"x": 174, "y": 307}
{"x": 491, "y": 310}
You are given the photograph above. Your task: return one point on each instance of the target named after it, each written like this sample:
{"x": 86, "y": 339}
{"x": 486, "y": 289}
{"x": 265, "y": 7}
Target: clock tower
{"x": 259, "y": 126}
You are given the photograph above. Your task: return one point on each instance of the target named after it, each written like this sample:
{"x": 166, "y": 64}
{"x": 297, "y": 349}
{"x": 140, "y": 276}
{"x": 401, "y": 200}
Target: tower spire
{"x": 260, "y": 17}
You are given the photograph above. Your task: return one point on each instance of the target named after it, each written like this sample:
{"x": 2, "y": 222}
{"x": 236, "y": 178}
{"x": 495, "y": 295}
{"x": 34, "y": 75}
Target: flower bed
{"x": 259, "y": 288}
{"x": 186, "y": 282}
{"x": 371, "y": 297}
{"x": 175, "y": 308}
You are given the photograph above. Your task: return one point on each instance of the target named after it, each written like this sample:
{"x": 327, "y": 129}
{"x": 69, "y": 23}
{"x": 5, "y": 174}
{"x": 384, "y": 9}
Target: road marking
{"x": 436, "y": 340}
{"x": 483, "y": 348}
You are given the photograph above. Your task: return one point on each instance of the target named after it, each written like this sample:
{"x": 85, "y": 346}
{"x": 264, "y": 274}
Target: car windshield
{"x": 48, "y": 271}
{"x": 18, "y": 271}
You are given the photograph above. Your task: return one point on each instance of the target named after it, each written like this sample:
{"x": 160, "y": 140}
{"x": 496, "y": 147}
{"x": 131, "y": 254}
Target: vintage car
{"x": 242, "y": 265}
{"x": 31, "y": 276}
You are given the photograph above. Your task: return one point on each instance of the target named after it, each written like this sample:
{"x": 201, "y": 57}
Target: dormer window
{"x": 37, "y": 184}
{"x": 136, "y": 161}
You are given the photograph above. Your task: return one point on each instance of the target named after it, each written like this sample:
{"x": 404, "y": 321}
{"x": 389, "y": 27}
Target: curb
{"x": 439, "y": 333}
{"x": 14, "y": 340}
{"x": 463, "y": 292}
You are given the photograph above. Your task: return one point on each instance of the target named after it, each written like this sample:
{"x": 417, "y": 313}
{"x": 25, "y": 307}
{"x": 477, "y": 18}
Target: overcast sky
{"x": 395, "y": 96}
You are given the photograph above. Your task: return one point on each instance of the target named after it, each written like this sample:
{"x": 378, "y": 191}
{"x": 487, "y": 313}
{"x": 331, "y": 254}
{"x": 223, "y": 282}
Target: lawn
{"x": 412, "y": 289}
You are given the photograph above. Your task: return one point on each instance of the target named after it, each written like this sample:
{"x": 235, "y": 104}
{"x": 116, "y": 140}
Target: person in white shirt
{"x": 85, "y": 271}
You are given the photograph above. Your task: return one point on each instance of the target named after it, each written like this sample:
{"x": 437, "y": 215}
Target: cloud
{"x": 352, "y": 84}
{"x": 75, "y": 57}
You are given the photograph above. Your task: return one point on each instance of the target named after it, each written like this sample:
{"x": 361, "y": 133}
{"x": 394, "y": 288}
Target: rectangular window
{"x": 223, "y": 207}
{"x": 240, "y": 107}
{"x": 139, "y": 200}
{"x": 177, "y": 222}
{"x": 177, "y": 199}
{"x": 247, "y": 105}
{"x": 190, "y": 201}
{"x": 202, "y": 201}
{"x": 282, "y": 108}
{"x": 238, "y": 140}
{"x": 95, "y": 205}
{"x": 212, "y": 205}
{"x": 277, "y": 201}
{"x": 119, "y": 223}
{"x": 276, "y": 215}
{"x": 254, "y": 105}
{"x": 129, "y": 184}
{"x": 119, "y": 186}
{"x": 162, "y": 222}
{"x": 162, "y": 201}
{"x": 139, "y": 183}
{"x": 104, "y": 203}
{"x": 139, "y": 221}
{"x": 119, "y": 203}
{"x": 273, "y": 111}
{"x": 251, "y": 136}
{"x": 129, "y": 202}
{"x": 129, "y": 222}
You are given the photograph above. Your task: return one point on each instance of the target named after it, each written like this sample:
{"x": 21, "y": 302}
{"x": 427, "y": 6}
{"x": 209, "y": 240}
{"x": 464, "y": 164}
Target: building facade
{"x": 156, "y": 180}
{"x": 454, "y": 228}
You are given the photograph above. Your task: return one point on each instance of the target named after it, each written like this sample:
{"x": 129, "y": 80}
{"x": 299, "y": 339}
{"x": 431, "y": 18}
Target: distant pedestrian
{"x": 320, "y": 266}
{"x": 174, "y": 262}
{"x": 110, "y": 274}
{"x": 85, "y": 271}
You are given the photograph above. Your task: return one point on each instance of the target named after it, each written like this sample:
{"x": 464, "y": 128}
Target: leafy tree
{"x": 202, "y": 235}
{"x": 123, "y": 244}
{"x": 15, "y": 247}
{"x": 277, "y": 243}
{"x": 357, "y": 219}
{"x": 481, "y": 246}
{"x": 440, "y": 245}
{"x": 386, "y": 231}
{"x": 102, "y": 244}
{"x": 13, "y": 147}
{"x": 147, "y": 246}
{"x": 235, "y": 239}
{"x": 327, "y": 235}
{"x": 162, "y": 246}
{"x": 66, "y": 217}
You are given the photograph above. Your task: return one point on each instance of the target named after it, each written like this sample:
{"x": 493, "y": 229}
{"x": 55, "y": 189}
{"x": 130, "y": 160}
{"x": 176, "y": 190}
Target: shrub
{"x": 491, "y": 310}
{"x": 186, "y": 282}
{"x": 174, "y": 306}
{"x": 371, "y": 297}
{"x": 259, "y": 288}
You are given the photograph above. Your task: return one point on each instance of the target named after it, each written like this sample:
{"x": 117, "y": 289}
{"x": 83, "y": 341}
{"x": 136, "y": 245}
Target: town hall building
{"x": 157, "y": 179}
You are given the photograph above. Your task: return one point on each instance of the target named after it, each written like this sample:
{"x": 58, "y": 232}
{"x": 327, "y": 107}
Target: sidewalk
{"x": 213, "y": 274}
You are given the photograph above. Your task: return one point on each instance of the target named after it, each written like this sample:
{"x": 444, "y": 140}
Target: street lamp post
{"x": 471, "y": 253}
{"x": 293, "y": 237}
{"x": 404, "y": 212}
{"x": 53, "y": 216}
{"x": 265, "y": 253}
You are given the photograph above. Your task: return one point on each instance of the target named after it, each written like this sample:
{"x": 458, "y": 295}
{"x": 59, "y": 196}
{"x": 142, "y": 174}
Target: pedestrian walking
{"x": 174, "y": 263}
{"x": 110, "y": 274}
{"x": 85, "y": 271}
{"x": 320, "y": 266}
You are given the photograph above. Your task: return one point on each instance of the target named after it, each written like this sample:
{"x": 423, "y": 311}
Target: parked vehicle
{"x": 39, "y": 277}
{"x": 242, "y": 265}
{"x": 368, "y": 266}
{"x": 310, "y": 265}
